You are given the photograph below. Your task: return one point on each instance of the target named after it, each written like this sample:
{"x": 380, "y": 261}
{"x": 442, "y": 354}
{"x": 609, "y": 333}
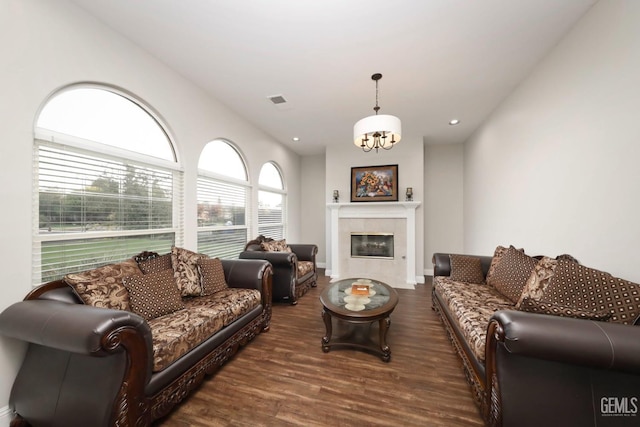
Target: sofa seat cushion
{"x": 471, "y": 305}
{"x": 304, "y": 268}
{"x": 176, "y": 333}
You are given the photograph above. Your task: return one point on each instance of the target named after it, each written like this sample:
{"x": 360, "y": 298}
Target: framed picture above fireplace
{"x": 374, "y": 183}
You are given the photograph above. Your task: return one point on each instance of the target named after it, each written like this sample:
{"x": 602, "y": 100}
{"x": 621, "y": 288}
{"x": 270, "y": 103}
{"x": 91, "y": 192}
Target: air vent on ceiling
{"x": 277, "y": 99}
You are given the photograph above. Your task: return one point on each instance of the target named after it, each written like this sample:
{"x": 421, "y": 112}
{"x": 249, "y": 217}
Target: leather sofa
{"x": 538, "y": 369}
{"x": 92, "y": 366}
{"x": 294, "y": 270}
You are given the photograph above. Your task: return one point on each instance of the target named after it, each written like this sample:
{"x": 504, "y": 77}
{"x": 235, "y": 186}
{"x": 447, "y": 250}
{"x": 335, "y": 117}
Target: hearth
{"x": 372, "y": 245}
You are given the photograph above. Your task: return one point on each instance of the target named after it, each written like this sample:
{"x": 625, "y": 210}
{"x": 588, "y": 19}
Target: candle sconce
{"x": 409, "y": 194}
{"x": 336, "y": 196}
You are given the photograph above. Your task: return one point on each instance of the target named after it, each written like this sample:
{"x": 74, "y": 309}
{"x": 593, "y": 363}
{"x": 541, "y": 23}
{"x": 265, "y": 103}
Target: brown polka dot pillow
{"x": 102, "y": 286}
{"x": 511, "y": 273}
{"x": 466, "y": 269}
{"x": 153, "y": 295}
{"x": 575, "y": 285}
{"x": 497, "y": 256}
{"x": 155, "y": 265}
{"x": 211, "y": 276}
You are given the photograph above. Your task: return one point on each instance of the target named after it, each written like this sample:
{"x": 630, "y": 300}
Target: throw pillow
{"x": 511, "y": 273}
{"x": 275, "y": 246}
{"x": 574, "y": 285}
{"x": 466, "y": 269}
{"x": 185, "y": 270}
{"x": 541, "y": 307}
{"x": 211, "y": 275}
{"x": 497, "y": 256}
{"x": 102, "y": 287}
{"x": 538, "y": 280}
{"x": 155, "y": 265}
{"x": 153, "y": 295}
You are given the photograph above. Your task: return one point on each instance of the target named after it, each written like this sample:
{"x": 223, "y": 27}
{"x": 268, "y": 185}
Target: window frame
{"x": 49, "y": 138}
{"x": 281, "y": 191}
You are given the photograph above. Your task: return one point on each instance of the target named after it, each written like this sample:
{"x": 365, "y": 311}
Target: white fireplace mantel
{"x": 406, "y": 210}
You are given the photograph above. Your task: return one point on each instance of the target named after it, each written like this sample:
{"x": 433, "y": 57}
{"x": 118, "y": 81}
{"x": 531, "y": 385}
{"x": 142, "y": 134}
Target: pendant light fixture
{"x": 377, "y": 131}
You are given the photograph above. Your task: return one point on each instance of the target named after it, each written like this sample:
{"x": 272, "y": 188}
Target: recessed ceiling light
{"x": 454, "y": 122}
{"x": 295, "y": 139}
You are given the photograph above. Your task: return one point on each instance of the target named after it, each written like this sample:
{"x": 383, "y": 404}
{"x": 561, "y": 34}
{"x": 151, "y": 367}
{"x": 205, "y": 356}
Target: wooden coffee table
{"x": 360, "y": 312}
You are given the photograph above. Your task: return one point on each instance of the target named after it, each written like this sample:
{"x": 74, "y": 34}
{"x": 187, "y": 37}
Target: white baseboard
{"x": 321, "y": 264}
{"x": 428, "y": 272}
{"x": 5, "y": 416}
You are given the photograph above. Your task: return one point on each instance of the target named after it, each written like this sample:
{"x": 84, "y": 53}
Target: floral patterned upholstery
{"x": 472, "y": 305}
{"x": 304, "y": 267}
{"x": 176, "y": 333}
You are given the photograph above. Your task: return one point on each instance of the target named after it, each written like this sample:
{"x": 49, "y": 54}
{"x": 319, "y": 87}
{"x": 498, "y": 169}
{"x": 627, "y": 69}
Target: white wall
{"x": 555, "y": 169}
{"x": 313, "y": 206}
{"x": 408, "y": 155}
{"x": 46, "y": 45}
{"x": 443, "y": 189}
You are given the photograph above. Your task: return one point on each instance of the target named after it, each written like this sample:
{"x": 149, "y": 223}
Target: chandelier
{"x": 377, "y": 131}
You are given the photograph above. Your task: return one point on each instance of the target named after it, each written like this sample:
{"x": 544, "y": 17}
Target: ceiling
{"x": 440, "y": 59}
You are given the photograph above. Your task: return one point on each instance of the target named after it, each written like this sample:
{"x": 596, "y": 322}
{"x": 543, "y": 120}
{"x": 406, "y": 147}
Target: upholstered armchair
{"x": 294, "y": 266}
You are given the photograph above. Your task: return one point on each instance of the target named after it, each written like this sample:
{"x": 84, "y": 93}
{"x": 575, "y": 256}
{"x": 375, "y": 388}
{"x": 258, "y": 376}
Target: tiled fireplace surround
{"x": 398, "y": 218}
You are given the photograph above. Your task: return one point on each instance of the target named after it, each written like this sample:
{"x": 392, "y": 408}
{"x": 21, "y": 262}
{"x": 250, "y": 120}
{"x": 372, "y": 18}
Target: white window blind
{"x": 271, "y": 203}
{"x": 222, "y": 217}
{"x": 223, "y": 201}
{"x": 95, "y": 209}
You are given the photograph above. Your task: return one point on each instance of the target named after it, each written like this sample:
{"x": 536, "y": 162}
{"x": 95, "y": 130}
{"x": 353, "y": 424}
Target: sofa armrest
{"x": 250, "y": 274}
{"x": 442, "y": 263}
{"x": 74, "y": 328}
{"x": 305, "y": 252}
{"x": 582, "y": 342}
{"x": 573, "y": 368}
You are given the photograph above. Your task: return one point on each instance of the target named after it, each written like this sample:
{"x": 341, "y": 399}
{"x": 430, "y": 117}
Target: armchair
{"x": 294, "y": 266}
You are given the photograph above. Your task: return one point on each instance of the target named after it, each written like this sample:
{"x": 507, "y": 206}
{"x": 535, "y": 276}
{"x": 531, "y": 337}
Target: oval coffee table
{"x": 337, "y": 301}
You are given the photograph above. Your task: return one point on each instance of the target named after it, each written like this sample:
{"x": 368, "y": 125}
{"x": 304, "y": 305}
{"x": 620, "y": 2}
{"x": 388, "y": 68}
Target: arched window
{"x": 107, "y": 180}
{"x": 271, "y": 203}
{"x": 223, "y": 201}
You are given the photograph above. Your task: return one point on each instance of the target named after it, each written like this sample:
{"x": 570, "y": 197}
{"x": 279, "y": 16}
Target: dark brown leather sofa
{"x": 289, "y": 283}
{"x": 88, "y": 366}
{"x": 546, "y": 370}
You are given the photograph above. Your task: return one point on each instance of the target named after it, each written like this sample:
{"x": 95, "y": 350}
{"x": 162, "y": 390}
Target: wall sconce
{"x": 336, "y": 196}
{"x": 409, "y": 194}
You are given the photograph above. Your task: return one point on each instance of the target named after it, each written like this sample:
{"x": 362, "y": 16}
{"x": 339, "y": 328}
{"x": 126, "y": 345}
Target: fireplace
{"x": 372, "y": 245}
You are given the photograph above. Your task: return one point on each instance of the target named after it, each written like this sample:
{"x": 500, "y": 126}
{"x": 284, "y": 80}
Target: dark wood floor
{"x": 283, "y": 378}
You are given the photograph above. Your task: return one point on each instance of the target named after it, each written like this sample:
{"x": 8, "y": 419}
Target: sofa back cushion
{"x": 102, "y": 286}
{"x": 511, "y": 273}
{"x": 542, "y": 307}
{"x": 466, "y": 269}
{"x": 153, "y": 295}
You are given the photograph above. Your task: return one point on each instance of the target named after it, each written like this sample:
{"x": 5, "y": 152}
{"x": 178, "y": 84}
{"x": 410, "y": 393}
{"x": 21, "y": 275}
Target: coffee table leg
{"x": 384, "y": 327}
{"x": 327, "y": 324}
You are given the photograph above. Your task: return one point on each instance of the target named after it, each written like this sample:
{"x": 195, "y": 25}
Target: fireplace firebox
{"x": 372, "y": 245}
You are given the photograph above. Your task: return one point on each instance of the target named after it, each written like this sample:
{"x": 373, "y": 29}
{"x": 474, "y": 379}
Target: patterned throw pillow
{"x": 185, "y": 270}
{"x": 153, "y": 295}
{"x": 211, "y": 275}
{"x": 102, "y": 287}
{"x": 511, "y": 273}
{"x": 466, "y": 269}
{"x": 275, "y": 246}
{"x": 497, "y": 256}
{"x": 542, "y": 307}
{"x": 575, "y": 285}
{"x": 155, "y": 265}
{"x": 538, "y": 280}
